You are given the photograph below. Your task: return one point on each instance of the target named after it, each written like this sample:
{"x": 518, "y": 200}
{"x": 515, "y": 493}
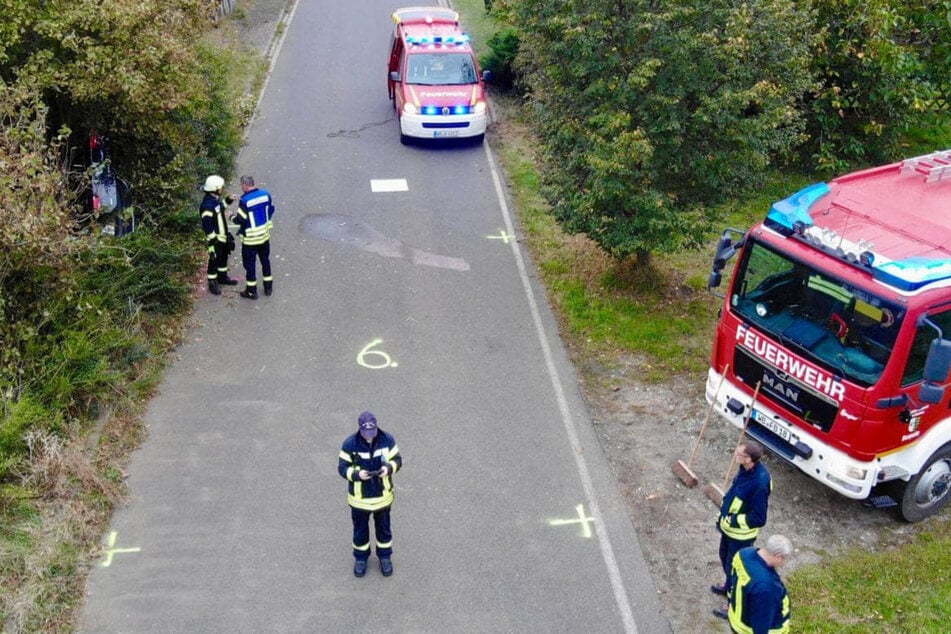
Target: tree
{"x": 651, "y": 111}
{"x": 882, "y": 67}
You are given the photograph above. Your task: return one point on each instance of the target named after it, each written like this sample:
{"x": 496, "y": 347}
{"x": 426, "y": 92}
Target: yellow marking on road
{"x": 503, "y": 236}
{"x": 385, "y": 360}
{"x": 582, "y": 519}
{"x": 110, "y": 550}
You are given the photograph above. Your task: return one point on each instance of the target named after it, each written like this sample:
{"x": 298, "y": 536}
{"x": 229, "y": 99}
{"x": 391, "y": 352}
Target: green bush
{"x": 501, "y": 58}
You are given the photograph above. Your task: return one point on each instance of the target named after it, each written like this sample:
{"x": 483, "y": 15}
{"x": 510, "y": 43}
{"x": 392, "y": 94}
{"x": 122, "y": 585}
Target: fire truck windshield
{"x": 823, "y": 319}
{"x": 440, "y": 69}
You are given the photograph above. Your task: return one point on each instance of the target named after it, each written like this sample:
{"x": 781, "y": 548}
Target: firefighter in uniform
{"x": 219, "y": 241}
{"x": 368, "y": 459}
{"x": 254, "y": 219}
{"x": 744, "y": 507}
{"x": 759, "y": 603}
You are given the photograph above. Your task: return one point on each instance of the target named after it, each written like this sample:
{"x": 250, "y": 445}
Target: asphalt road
{"x": 415, "y": 304}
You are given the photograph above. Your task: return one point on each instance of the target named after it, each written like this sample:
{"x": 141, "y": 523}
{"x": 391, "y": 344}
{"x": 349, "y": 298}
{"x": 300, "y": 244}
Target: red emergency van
{"x": 434, "y": 78}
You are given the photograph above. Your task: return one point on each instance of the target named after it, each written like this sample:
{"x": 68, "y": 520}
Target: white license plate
{"x": 773, "y": 426}
{"x": 446, "y": 133}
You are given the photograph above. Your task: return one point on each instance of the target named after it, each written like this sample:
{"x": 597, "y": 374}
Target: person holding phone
{"x": 368, "y": 460}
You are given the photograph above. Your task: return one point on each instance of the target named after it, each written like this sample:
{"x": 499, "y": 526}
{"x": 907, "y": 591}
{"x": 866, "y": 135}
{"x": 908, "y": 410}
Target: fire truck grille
{"x": 816, "y": 409}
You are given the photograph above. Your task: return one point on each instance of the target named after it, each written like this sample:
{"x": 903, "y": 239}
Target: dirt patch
{"x": 645, "y": 428}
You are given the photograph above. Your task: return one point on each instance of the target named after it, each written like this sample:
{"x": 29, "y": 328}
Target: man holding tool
{"x": 744, "y": 508}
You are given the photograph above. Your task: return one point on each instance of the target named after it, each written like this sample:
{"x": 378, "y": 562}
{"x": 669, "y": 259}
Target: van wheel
{"x": 930, "y": 490}
{"x": 405, "y": 140}
{"x": 477, "y": 140}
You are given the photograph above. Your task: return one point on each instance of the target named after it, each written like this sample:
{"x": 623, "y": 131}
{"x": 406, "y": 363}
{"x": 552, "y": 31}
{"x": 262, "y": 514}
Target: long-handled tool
{"x": 683, "y": 469}
{"x": 714, "y": 492}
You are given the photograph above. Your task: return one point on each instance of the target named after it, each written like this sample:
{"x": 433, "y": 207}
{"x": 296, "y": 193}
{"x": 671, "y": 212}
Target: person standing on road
{"x": 254, "y": 220}
{"x": 368, "y": 460}
{"x": 744, "y": 508}
{"x": 219, "y": 241}
{"x": 759, "y": 603}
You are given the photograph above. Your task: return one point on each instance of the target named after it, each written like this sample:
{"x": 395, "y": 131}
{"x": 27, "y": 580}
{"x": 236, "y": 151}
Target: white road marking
{"x": 388, "y": 185}
{"x": 604, "y": 541}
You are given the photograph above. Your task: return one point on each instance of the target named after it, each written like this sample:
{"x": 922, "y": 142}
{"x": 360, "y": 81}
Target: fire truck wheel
{"x": 930, "y": 490}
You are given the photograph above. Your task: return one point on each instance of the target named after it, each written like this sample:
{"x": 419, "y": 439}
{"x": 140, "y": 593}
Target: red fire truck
{"x": 831, "y": 340}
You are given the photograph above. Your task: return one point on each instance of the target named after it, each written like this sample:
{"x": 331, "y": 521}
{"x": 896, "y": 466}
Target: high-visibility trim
{"x": 831, "y": 289}
{"x": 741, "y": 578}
{"x": 362, "y": 547}
{"x": 257, "y": 200}
{"x": 369, "y": 504}
{"x": 388, "y": 544}
{"x": 741, "y": 532}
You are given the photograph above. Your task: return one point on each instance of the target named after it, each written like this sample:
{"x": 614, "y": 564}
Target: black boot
{"x": 224, "y": 280}
{"x": 249, "y": 293}
{"x": 213, "y": 287}
{"x": 268, "y": 288}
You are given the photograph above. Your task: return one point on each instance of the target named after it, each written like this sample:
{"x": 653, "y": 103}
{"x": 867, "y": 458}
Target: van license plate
{"x": 446, "y": 133}
{"x": 772, "y": 426}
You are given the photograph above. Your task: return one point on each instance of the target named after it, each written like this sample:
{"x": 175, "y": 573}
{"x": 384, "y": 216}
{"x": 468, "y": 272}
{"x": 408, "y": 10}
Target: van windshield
{"x": 825, "y": 319}
{"x": 440, "y": 69}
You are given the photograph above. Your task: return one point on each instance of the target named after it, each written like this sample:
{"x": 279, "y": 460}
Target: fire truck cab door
{"x": 396, "y": 58}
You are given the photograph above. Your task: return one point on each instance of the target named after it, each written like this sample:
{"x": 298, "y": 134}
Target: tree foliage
{"x": 136, "y": 72}
{"x": 71, "y": 301}
{"x": 34, "y": 245}
{"x": 883, "y": 66}
{"x": 650, "y": 111}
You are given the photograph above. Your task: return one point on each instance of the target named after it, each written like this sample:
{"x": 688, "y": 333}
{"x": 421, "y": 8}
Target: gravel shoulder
{"x": 644, "y": 429}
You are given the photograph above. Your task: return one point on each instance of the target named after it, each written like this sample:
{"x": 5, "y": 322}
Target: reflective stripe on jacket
{"x": 213, "y": 223}
{"x": 254, "y": 217}
{"x": 357, "y": 454}
{"x": 745, "y": 504}
{"x": 759, "y": 603}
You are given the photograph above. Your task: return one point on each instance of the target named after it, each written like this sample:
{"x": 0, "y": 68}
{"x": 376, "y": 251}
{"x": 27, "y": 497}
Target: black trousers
{"x": 361, "y": 532}
{"x": 728, "y": 548}
{"x": 218, "y": 261}
{"x": 250, "y": 254}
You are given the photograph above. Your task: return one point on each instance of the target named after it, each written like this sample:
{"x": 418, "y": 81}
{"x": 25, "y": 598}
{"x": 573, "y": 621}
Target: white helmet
{"x": 214, "y": 183}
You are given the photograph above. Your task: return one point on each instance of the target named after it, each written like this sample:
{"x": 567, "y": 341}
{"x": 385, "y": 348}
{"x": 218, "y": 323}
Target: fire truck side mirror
{"x": 935, "y": 375}
{"x": 938, "y": 362}
{"x": 395, "y": 76}
{"x": 726, "y": 249}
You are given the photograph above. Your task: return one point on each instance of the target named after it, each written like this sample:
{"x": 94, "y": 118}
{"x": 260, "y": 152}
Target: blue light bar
{"x": 457, "y": 39}
{"x": 912, "y": 273}
{"x": 462, "y": 109}
{"x": 787, "y": 212}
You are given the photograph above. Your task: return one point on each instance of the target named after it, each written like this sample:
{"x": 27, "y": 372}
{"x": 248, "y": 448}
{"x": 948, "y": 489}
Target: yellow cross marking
{"x": 584, "y": 521}
{"x": 503, "y": 236}
{"x": 110, "y": 550}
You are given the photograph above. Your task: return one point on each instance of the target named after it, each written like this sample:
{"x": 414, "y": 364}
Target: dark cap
{"x": 367, "y": 423}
